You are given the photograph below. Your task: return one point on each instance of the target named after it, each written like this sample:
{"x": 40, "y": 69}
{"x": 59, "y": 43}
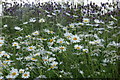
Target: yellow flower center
{"x": 77, "y": 47}
{"x": 84, "y": 50}
{"x": 5, "y": 54}
{"x": 7, "y": 60}
{"x": 81, "y": 24}
{"x": 25, "y": 74}
{"x": 52, "y": 67}
{"x": 68, "y": 36}
{"x": 29, "y": 36}
{"x": 61, "y": 47}
{"x": 74, "y": 38}
{"x": 30, "y": 47}
{"x": 61, "y": 41}
{"x": 1, "y": 43}
{"x": 21, "y": 71}
{"x": 96, "y": 42}
{"x": 37, "y": 55}
{"x": 36, "y": 33}
{"x": 42, "y": 38}
{"x": 15, "y": 44}
{"x": 51, "y": 40}
{"x": 14, "y": 73}
{"x": 33, "y": 58}
{"x": 51, "y": 32}
{"x": 45, "y": 60}
{"x": 71, "y": 26}
{"x": 86, "y": 21}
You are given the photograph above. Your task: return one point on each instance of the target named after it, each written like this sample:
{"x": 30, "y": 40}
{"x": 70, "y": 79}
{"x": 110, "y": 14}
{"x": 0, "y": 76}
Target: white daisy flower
{"x": 54, "y": 63}
{"x": 64, "y": 28}
{"x": 31, "y": 48}
{"x": 60, "y": 41}
{"x": 48, "y": 52}
{"x": 32, "y": 20}
{"x": 8, "y": 61}
{"x": 72, "y": 25}
{"x": 45, "y": 59}
{"x": 67, "y": 14}
{"x": 9, "y": 76}
{"x": 81, "y": 72}
{"x": 59, "y": 25}
{"x": 15, "y": 44}
{"x": 26, "y": 75}
{"x": 6, "y": 55}
{"x": 85, "y": 50}
{"x": 86, "y": 20}
{"x": 113, "y": 43}
{"x": 5, "y": 26}
{"x": 110, "y": 8}
{"x": 68, "y": 35}
{"x": 14, "y": 73}
{"x": 21, "y": 71}
{"x": 80, "y": 23}
{"x": 1, "y": 43}
{"x": 18, "y": 28}
{"x": 97, "y": 41}
{"x": 33, "y": 59}
{"x": 91, "y": 42}
{"x": 28, "y": 36}
{"x": 53, "y": 14}
{"x": 50, "y": 43}
{"x": 35, "y": 33}
{"x": 2, "y": 53}
{"x": 42, "y": 76}
{"x": 51, "y": 59}
{"x": 52, "y": 40}
{"x": 75, "y": 39}
{"x": 62, "y": 48}
{"x": 96, "y": 21}
{"x": 46, "y": 30}
{"x": 54, "y": 49}
{"x": 50, "y": 32}
{"x": 28, "y": 58}
{"x": 37, "y": 54}
{"x": 47, "y": 11}
{"x": 2, "y": 38}
{"x": 75, "y": 16}
{"x": 42, "y": 20}
{"x": 49, "y": 15}
{"x": 78, "y": 47}
{"x": 25, "y": 23}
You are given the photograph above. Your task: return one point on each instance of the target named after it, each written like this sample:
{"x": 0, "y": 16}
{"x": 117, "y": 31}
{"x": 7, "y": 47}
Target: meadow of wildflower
{"x": 53, "y": 40}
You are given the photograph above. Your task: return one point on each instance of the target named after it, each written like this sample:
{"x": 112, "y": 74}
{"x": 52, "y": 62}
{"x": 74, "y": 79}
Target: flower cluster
{"x": 56, "y": 42}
